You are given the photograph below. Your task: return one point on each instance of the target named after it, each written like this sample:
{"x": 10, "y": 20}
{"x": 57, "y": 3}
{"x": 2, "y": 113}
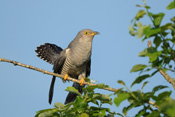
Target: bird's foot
{"x": 65, "y": 77}
{"x": 81, "y": 81}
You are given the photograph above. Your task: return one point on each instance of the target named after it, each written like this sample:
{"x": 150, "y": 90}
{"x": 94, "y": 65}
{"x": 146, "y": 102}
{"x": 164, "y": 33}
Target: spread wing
{"x": 48, "y": 52}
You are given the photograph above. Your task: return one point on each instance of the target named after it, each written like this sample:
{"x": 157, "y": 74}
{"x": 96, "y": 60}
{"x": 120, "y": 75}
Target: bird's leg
{"x": 65, "y": 77}
{"x": 81, "y": 78}
{"x": 81, "y": 81}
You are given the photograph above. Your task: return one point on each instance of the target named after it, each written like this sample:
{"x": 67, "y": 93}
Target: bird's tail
{"x": 48, "y": 52}
{"x": 72, "y": 96}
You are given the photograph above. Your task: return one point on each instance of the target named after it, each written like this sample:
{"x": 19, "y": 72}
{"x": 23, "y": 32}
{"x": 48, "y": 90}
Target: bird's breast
{"x": 76, "y": 60}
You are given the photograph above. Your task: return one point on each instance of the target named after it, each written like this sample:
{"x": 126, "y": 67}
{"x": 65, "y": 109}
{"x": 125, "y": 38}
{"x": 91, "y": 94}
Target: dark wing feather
{"x": 58, "y": 65}
{"x": 48, "y": 52}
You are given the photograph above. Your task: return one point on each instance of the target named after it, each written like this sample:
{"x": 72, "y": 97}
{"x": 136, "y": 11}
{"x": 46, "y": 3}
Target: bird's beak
{"x": 95, "y": 33}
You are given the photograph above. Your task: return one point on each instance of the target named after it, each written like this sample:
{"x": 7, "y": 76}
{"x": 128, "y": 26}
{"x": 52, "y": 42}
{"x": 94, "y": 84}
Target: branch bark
{"x": 167, "y": 77}
{"x": 53, "y": 74}
{"x": 60, "y": 76}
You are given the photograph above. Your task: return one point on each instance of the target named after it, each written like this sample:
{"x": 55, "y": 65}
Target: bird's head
{"x": 87, "y": 34}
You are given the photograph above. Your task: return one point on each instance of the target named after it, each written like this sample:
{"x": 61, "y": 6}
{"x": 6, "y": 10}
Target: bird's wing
{"x": 58, "y": 65}
{"x": 59, "y": 62}
{"x": 48, "y": 52}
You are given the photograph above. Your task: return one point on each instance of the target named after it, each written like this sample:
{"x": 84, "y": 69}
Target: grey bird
{"x": 74, "y": 61}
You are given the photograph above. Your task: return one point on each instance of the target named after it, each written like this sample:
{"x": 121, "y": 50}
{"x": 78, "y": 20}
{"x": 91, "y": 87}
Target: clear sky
{"x": 25, "y": 24}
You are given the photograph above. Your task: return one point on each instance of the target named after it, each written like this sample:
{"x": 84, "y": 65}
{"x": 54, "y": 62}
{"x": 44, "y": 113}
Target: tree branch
{"x": 53, "y": 74}
{"x": 61, "y": 76}
{"x": 152, "y": 103}
{"x": 164, "y": 74}
{"x": 167, "y": 77}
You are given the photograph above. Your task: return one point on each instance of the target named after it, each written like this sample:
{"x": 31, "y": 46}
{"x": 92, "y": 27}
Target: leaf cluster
{"x": 161, "y": 56}
{"x": 163, "y": 105}
{"x": 162, "y": 53}
{"x": 90, "y": 104}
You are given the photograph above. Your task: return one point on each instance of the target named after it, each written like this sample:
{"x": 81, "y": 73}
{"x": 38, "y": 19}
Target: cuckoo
{"x": 74, "y": 61}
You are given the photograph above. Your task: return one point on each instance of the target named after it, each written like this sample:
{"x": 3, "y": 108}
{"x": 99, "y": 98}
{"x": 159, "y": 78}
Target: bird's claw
{"x": 81, "y": 81}
{"x": 65, "y": 77}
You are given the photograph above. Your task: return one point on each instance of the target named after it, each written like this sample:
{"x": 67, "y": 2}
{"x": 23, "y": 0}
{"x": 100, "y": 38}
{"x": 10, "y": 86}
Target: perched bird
{"x": 74, "y": 61}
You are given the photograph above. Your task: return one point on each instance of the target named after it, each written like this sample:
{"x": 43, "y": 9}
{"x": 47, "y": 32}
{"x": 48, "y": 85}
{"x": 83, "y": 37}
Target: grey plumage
{"x": 75, "y": 60}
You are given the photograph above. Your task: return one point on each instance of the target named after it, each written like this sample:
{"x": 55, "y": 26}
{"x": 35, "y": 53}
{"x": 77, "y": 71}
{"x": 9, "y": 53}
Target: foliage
{"x": 161, "y": 56}
{"x": 81, "y": 107}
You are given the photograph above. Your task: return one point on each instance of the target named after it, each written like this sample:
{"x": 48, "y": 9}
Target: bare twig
{"x": 60, "y": 76}
{"x": 152, "y": 103}
{"x": 53, "y": 74}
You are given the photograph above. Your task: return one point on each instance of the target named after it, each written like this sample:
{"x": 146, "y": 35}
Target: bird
{"x": 73, "y": 61}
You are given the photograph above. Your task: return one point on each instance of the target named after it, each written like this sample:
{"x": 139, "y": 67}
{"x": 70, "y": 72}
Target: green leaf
{"x": 157, "y": 18}
{"x": 117, "y": 91}
{"x": 165, "y": 27}
{"x": 84, "y": 115}
{"x": 147, "y": 50}
{"x": 157, "y": 41}
{"x": 125, "y": 111}
{"x": 151, "y": 52}
{"x": 163, "y": 95}
{"x": 140, "y": 14}
{"x": 144, "y": 84}
{"x": 120, "y": 115}
{"x": 102, "y": 113}
{"x": 132, "y": 105}
{"x": 154, "y": 72}
{"x": 140, "y": 30}
{"x": 92, "y": 87}
{"x": 80, "y": 104}
{"x": 154, "y": 56}
{"x": 59, "y": 105}
{"x": 47, "y": 113}
{"x": 140, "y": 113}
{"x": 120, "y": 98}
{"x": 139, "y": 5}
{"x": 103, "y": 98}
{"x": 131, "y": 30}
{"x": 173, "y": 19}
{"x": 168, "y": 107}
{"x": 147, "y": 7}
{"x": 87, "y": 79}
{"x": 151, "y": 31}
{"x": 138, "y": 67}
{"x": 171, "y": 5}
{"x": 154, "y": 113}
{"x": 73, "y": 90}
{"x": 157, "y": 88}
{"x": 121, "y": 82}
{"x": 140, "y": 79}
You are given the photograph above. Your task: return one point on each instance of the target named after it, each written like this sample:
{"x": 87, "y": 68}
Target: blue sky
{"x": 26, "y": 24}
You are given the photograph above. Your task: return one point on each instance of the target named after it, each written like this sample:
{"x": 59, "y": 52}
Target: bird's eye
{"x": 86, "y": 33}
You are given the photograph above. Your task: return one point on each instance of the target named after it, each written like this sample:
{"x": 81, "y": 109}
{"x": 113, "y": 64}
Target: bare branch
{"x": 53, "y": 74}
{"x": 60, "y": 76}
{"x": 152, "y": 103}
